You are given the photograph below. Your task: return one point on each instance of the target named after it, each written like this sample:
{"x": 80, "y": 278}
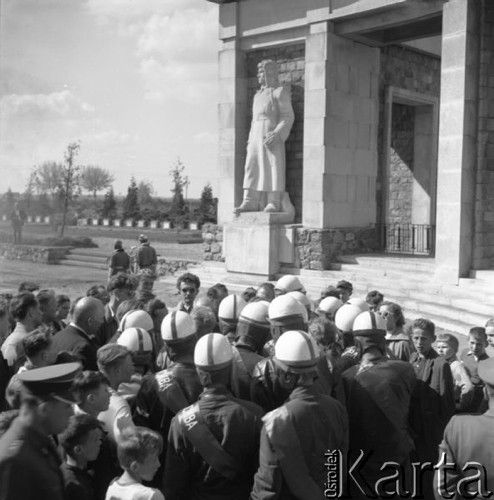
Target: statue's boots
{"x": 274, "y": 202}
{"x": 250, "y": 202}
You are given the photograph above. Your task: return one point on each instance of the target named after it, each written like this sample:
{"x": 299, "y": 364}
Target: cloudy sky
{"x": 133, "y": 80}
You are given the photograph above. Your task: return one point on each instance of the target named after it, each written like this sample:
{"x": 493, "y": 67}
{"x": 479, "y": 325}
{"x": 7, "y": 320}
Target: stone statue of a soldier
{"x": 272, "y": 120}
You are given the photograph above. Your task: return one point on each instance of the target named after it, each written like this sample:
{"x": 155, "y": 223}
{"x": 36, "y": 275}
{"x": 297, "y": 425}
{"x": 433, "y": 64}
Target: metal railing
{"x": 408, "y": 238}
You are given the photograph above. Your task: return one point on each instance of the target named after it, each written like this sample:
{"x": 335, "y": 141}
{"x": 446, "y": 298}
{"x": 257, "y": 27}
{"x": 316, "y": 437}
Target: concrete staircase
{"x": 91, "y": 258}
{"x": 407, "y": 280}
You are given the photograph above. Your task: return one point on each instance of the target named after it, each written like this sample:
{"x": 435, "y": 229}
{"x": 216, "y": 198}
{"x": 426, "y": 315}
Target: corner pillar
{"x": 457, "y": 139}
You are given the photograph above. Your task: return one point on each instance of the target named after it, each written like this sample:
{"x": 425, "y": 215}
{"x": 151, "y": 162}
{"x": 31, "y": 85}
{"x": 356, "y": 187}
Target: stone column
{"x": 457, "y": 139}
{"x": 232, "y": 110}
{"x": 340, "y": 131}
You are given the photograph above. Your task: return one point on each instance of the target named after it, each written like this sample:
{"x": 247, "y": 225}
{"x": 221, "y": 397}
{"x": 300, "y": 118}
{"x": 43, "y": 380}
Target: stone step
{"x": 79, "y": 263}
{"x": 388, "y": 261}
{"x": 89, "y": 252}
{"x": 99, "y": 259}
{"x": 454, "y": 308}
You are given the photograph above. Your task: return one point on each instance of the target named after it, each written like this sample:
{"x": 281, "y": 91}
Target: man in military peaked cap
{"x": 29, "y": 461}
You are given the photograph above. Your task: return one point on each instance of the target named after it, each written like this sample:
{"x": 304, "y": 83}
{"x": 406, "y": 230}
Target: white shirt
{"x": 132, "y": 491}
{"x": 118, "y": 417}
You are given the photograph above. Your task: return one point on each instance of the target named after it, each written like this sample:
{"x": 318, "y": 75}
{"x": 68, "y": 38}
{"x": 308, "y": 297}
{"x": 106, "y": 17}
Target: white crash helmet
{"x": 329, "y": 305}
{"x": 345, "y": 316}
{"x": 289, "y": 283}
{"x": 301, "y": 297}
{"x": 177, "y": 326}
{"x": 231, "y": 307}
{"x": 356, "y": 301}
{"x": 213, "y": 352}
{"x": 296, "y": 351}
{"x": 136, "y": 340}
{"x": 255, "y": 313}
{"x": 369, "y": 322}
{"x": 136, "y": 318}
{"x": 284, "y": 306}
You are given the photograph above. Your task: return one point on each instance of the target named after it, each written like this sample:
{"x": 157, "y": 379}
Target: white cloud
{"x": 176, "y": 44}
{"x": 49, "y": 106}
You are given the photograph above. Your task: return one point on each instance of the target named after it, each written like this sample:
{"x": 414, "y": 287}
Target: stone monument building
{"x": 392, "y": 147}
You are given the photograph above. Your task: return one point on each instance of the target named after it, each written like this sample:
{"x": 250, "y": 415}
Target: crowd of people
{"x": 265, "y": 394}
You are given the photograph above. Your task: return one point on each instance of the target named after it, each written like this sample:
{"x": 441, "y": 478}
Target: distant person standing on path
{"x": 146, "y": 257}
{"x": 17, "y": 218}
{"x": 119, "y": 261}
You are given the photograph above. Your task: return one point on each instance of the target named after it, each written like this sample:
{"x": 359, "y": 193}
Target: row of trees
{"x": 55, "y": 189}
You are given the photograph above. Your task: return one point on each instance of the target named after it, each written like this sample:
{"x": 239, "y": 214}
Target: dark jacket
{"x": 78, "y": 483}
{"x": 77, "y": 342}
{"x": 109, "y": 327}
{"x": 146, "y": 256}
{"x": 378, "y": 401}
{"x": 29, "y": 465}
{"x": 467, "y": 438}
{"x": 119, "y": 262}
{"x": 236, "y": 425}
{"x": 320, "y": 424}
{"x": 433, "y": 403}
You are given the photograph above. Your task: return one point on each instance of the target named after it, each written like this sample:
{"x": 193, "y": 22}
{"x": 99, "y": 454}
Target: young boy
{"x": 470, "y": 357}
{"x": 81, "y": 442}
{"x": 138, "y": 452}
{"x": 447, "y": 346}
{"x": 91, "y": 391}
{"x": 38, "y": 351}
{"x": 433, "y": 400}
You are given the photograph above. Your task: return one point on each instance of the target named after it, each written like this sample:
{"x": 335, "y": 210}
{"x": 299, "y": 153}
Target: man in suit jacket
{"x": 79, "y": 336}
{"x": 468, "y": 439}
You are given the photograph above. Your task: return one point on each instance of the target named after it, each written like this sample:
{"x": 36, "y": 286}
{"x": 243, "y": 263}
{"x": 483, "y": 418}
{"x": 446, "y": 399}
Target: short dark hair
{"x": 86, "y": 382}
{"x": 122, "y": 281}
{"x": 77, "y": 431}
{"x": 426, "y": 325}
{"x": 323, "y": 331}
{"x": 248, "y": 294}
{"x": 62, "y": 299}
{"x": 20, "y": 305}
{"x": 221, "y": 288}
{"x": 330, "y": 291}
{"x": 450, "y": 339}
{"x": 136, "y": 444}
{"x": 204, "y": 319}
{"x": 96, "y": 291}
{"x": 396, "y": 311}
{"x": 154, "y": 305}
{"x": 35, "y": 343}
{"x": 189, "y": 278}
{"x": 44, "y": 297}
{"x": 28, "y": 286}
{"x": 345, "y": 285}
{"x": 111, "y": 355}
{"x": 478, "y": 331}
{"x": 374, "y": 297}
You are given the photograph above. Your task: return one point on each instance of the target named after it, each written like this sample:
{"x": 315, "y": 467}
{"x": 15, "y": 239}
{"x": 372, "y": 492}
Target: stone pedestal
{"x": 257, "y": 242}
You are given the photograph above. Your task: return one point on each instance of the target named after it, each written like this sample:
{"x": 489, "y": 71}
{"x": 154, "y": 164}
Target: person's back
{"x": 378, "y": 400}
{"x": 213, "y": 445}
{"x": 235, "y": 424}
{"x": 296, "y": 435}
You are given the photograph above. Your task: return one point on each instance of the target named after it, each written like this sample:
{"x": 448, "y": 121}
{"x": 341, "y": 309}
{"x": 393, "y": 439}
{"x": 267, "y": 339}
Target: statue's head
{"x": 267, "y": 73}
